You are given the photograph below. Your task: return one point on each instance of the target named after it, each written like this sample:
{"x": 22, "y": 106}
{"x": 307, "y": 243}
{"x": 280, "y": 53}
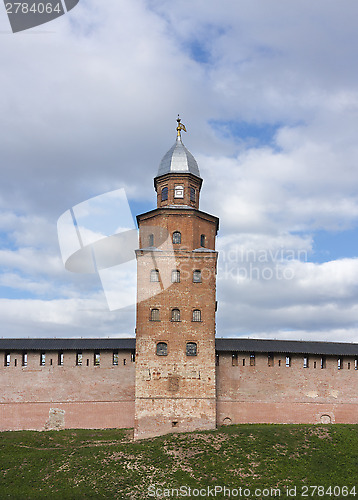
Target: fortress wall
{"x": 68, "y": 396}
{"x": 286, "y": 394}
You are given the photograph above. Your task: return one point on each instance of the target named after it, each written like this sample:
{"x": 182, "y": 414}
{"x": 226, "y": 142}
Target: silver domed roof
{"x": 178, "y": 160}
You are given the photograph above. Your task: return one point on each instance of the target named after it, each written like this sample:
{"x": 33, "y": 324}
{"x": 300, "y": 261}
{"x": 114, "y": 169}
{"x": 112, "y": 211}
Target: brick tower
{"x": 176, "y": 300}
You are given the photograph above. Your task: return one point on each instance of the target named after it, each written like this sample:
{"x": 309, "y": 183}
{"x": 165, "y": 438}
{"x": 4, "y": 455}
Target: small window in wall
{"x": 24, "y": 359}
{"x": 15, "y": 362}
{"x": 348, "y": 366}
{"x": 192, "y": 194}
{"x": 306, "y": 362}
{"x": 197, "y": 276}
{"x": 7, "y": 359}
{"x": 196, "y": 315}
{"x": 243, "y": 362}
{"x": 151, "y": 240}
{"x": 191, "y": 349}
{"x": 87, "y": 362}
{"x": 42, "y": 359}
{"x": 175, "y": 315}
{"x": 314, "y": 364}
{"x": 252, "y": 359}
{"x": 356, "y": 364}
{"x": 96, "y": 359}
{"x": 176, "y": 237}
{"x": 175, "y": 276}
{"x": 202, "y": 240}
{"x": 124, "y": 362}
{"x": 79, "y": 359}
{"x": 340, "y": 363}
{"x": 154, "y": 315}
{"x": 179, "y": 192}
{"x": 132, "y": 357}
{"x": 234, "y": 359}
{"x": 162, "y": 349}
{"x": 164, "y": 193}
{"x": 115, "y": 358}
{"x": 323, "y": 362}
{"x": 288, "y": 361}
{"x": 270, "y": 359}
{"x": 217, "y": 360}
{"x": 60, "y": 358}
{"x": 279, "y": 362}
{"x": 154, "y": 275}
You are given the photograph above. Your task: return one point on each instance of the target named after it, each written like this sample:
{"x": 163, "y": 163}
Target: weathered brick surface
{"x": 175, "y": 392}
{"x": 280, "y": 394}
{"x": 90, "y": 396}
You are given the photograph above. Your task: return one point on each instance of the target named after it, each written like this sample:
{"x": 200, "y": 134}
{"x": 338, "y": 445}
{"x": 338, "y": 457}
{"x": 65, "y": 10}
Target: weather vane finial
{"x": 180, "y": 127}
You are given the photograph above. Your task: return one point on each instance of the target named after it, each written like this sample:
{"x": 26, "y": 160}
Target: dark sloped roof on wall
{"x": 222, "y": 345}
{"x": 65, "y": 344}
{"x": 287, "y": 346}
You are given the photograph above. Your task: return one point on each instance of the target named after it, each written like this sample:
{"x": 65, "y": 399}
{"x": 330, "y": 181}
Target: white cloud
{"x": 90, "y": 107}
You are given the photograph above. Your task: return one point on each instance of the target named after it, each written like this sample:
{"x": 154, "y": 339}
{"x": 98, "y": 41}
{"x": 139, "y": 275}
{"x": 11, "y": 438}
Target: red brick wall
{"x": 90, "y": 396}
{"x": 280, "y": 394}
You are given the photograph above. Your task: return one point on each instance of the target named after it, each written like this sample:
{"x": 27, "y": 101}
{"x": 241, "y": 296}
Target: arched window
{"x": 192, "y": 194}
{"x": 151, "y": 240}
{"x": 202, "y": 240}
{"x": 196, "y": 315}
{"x": 154, "y": 275}
{"x": 176, "y": 237}
{"x": 162, "y": 349}
{"x": 197, "y": 276}
{"x": 191, "y": 349}
{"x": 175, "y": 276}
{"x": 154, "y": 315}
{"x": 175, "y": 315}
{"x": 164, "y": 193}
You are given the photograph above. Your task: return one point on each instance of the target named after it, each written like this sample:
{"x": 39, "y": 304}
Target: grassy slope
{"x": 108, "y": 464}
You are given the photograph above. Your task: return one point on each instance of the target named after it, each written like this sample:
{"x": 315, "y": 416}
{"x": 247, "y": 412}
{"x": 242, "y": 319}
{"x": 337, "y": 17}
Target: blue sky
{"x": 268, "y": 94}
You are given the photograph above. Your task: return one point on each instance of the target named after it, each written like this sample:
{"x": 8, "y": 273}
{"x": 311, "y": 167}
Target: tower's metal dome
{"x": 178, "y": 159}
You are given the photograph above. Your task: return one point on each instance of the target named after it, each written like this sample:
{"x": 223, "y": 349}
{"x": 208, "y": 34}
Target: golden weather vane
{"x": 180, "y": 127}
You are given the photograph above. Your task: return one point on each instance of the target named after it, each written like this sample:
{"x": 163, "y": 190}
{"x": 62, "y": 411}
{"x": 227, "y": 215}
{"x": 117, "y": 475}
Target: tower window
{"x": 175, "y": 315}
{"x": 234, "y": 359}
{"x": 252, "y": 359}
{"x": 96, "y": 359}
{"x": 60, "y": 358}
{"x": 162, "y": 349}
{"x": 42, "y": 359}
{"x": 270, "y": 359}
{"x": 202, "y": 240}
{"x": 288, "y": 361}
{"x": 154, "y": 315}
{"x": 175, "y": 276}
{"x": 151, "y": 240}
{"x": 323, "y": 362}
{"x": 79, "y": 358}
{"x": 340, "y": 363}
{"x": 191, "y": 349}
{"x": 24, "y": 359}
{"x": 176, "y": 237}
{"x": 7, "y": 359}
{"x": 192, "y": 194}
{"x": 196, "y": 315}
{"x": 164, "y": 193}
{"x": 115, "y": 358}
{"x": 306, "y": 362}
{"x": 179, "y": 192}
{"x": 197, "y": 276}
{"x": 154, "y": 275}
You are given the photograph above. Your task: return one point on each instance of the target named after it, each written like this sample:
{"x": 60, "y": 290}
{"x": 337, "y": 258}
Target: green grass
{"x": 76, "y": 464}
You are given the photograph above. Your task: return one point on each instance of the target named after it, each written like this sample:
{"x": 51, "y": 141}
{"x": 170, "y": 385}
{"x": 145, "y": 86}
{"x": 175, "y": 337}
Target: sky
{"x": 268, "y": 92}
